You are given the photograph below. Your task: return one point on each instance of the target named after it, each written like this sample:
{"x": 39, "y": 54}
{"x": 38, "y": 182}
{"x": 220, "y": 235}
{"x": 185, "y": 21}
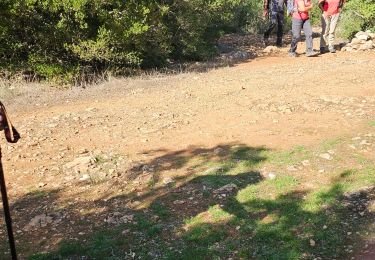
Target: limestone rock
{"x": 270, "y": 49}
{"x": 226, "y": 189}
{"x": 81, "y": 161}
{"x": 367, "y": 46}
{"x": 362, "y": 36}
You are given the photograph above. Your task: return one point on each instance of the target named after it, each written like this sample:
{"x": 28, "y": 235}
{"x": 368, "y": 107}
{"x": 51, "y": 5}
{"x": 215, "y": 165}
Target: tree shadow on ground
{"x": 63, "y": 218}
{"x": 285, "y": 228}
{"x": 216, "y": 213}
{"x": 231, "y": 154}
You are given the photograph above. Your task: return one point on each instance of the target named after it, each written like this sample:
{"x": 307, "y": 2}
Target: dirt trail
{"x": 277, "y": 102}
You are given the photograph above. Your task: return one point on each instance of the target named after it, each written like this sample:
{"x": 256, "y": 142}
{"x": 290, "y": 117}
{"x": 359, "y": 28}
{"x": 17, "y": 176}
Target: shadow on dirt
{"x": 220, "y": 211}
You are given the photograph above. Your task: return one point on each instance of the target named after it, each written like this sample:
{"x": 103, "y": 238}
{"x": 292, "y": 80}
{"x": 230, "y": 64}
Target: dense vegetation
{"x": 358, "y": 15}
{"x": 51, "y": 38}
{"x": 55, "y": 37}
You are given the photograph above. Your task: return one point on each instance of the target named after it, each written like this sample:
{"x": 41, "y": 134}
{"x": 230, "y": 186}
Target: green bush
{"x": 53, "y": 37}
{"x": 357, "y": 15}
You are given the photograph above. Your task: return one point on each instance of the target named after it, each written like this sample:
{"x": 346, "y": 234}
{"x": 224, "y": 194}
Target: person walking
{"x": 330, "y": 16}
{"x": 274, "y": 10}
{"x": 301, "y": 20}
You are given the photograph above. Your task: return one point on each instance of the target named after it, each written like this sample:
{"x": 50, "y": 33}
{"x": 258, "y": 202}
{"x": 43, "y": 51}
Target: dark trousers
{"x": 276, "y": 19}
{"x": 297, "y": 26}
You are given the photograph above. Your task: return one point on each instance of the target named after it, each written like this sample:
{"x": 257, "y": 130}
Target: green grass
{"x": 290, "y": 157}
{"x": 160, "y": 210}
{"x": 267, "y": 189}
{"x": 264, "y": 219}
{"x": 372, "y": 123}
{"x": 330, "y": 144}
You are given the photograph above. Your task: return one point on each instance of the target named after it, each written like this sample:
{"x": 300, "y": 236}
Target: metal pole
{"x": 8, "y": 218}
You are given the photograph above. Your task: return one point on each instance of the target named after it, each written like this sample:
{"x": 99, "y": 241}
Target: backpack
{"x": 291, "y": 7}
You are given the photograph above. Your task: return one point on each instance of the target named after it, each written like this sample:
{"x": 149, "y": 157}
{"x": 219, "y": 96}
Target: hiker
{"x": 274, "y": 10}
{"x": 301, "y": 20}
{"x": 330, "y": 16}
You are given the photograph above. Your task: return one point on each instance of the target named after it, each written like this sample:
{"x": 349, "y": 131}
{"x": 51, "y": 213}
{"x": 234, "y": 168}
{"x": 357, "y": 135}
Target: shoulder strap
{"x": 11, "y": 134}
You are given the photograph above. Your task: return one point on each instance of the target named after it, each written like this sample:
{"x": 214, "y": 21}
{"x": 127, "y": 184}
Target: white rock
{"x": 271, "y": 49}
{"x": 326, "y": 156}
{"x": 306, "y": 163}
{"x": 271, "y": 175}
{"x": 178, "y": 202}
{"x": 356, "y": 41}
{"x": 168, "y": 180}
{"x": 91, "y": 109}
{"x": 39, "y": 221}
{"x": 364, "y": 142}
{"x": 85, "y": 177}
{"x": 226, "y": 188}
{"x": 367, "y": 46}
{"x": 362, "y": 36}
{"x": 81, "y": 161}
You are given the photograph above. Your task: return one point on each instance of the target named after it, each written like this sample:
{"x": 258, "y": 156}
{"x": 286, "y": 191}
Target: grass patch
{"x": 160, "y": 210}
{"x": 330, "y": 144}
{"x": 281, "y": 218}
{"x": 291, "y": 157}
{"x": 267, "y": 189}
{"x": 213, "y": 215}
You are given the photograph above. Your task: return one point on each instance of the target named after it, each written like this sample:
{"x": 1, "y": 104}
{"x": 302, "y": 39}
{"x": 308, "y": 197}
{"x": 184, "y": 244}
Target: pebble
{"x": 271, "y": 175}
{"x": 85, "y": 177}
{"x": 178, "y": 202}
{"x": 226, "y": 188}
{"x": 364, "y": 142}
{"x": 306, "y": 163}
{"x": 326, "y": 156}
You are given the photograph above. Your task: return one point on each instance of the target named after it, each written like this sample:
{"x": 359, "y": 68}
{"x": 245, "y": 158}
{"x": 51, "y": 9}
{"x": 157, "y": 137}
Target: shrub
{"x": 53, "y": 37}
{"x": 357, "y": 15}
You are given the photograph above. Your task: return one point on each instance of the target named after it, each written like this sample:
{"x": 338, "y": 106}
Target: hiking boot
{"x": 331, "y": 49}
{"x": 323, "y": 50}
{"x": 311, "y": 53}
{"x": 292, "y": 54}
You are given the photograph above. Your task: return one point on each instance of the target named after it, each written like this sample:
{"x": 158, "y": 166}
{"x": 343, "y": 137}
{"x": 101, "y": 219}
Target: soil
{"x": 272, "y": 101}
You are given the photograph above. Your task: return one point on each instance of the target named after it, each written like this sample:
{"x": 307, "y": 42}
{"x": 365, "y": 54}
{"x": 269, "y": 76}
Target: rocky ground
{"x": 82, "y": 149}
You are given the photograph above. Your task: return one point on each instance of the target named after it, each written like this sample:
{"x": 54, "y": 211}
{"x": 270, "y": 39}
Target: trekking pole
{"x": 8, "y": 219}
{"x": 12, "y": 136}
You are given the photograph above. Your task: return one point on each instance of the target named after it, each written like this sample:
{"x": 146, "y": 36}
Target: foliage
{"x": 55, "y": 37}
{"x": 357, "y": 15}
